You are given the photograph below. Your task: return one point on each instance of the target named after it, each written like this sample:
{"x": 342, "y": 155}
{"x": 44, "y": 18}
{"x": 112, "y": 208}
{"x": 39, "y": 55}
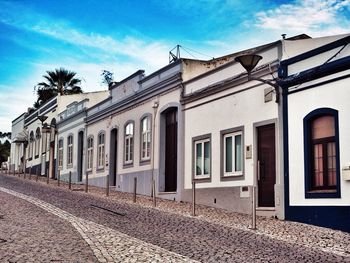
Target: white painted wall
{"x": 241, "y": 109}
{"x": 335, "y": 95}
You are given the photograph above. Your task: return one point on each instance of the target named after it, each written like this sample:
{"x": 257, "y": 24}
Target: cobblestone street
{"x": 45, "y": 223}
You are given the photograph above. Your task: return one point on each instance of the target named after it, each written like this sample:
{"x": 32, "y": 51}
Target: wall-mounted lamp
{"x": 249, "y": 62}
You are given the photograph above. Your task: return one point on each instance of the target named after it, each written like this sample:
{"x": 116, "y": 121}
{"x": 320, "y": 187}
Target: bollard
{"x": 87, "y": 182}
{"x": 30, "y": 173}
{"x": 107, "y": 185}
{"x": 135, "y": 185}
{"x": 253, "y": 209}
{"x": 19, "y": 175}
{"x": 47, "y": 176}
{"x": 58, "y": 177}
{"x": 154, "y": 192}
{"x": 36, "y": 173}
{"x": 24, "y": 174}
{"x": 193, "y": 198}
{"x": 70, "y": 180}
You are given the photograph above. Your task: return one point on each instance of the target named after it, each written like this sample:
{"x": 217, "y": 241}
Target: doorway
{"x": 80, "y": 155}
{"x": 170, "y": 150}
{"x": 266, "y": 165}
{"x": 113, "y": 158}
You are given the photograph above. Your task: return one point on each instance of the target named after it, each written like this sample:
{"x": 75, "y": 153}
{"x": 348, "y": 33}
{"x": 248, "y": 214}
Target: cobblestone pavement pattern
{"x": 28, "y": 235}
{"x": 107, "y": 244}
{"x": 213, "y": 236}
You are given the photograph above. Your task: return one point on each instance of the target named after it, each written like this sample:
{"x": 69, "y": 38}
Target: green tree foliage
{"x": 5, "y": 147}
{"x": 107, "y": 77}
{"x": 60, "y": 81}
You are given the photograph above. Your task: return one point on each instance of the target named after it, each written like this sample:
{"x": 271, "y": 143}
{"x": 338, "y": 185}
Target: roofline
{"x": 140, "y": 71}
{"x": 24, "y": 113}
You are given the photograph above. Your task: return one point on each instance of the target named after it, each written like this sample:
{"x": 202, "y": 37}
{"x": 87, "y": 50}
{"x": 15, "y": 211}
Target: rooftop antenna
{"x": 172, "y": 56}
{"x": 284, "y": 36}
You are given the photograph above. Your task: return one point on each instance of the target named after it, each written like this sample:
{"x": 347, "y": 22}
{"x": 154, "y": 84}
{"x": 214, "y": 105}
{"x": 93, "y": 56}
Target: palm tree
{"x": 60, "y": 81}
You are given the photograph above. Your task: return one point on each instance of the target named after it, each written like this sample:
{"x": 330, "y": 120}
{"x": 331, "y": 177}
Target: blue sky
{"x": 123, "y": 36}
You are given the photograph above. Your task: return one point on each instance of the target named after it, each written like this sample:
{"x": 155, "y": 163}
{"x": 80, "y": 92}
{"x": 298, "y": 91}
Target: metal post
{"x": 87, "y": 182}
{"x": 58, "y": 177}
{"x": 36, "y": 173}
{"x": 135, "y": 185}
{"x": 19, "y": 175}
{"x": 70, "y": 180}
{"x": 47, "y": 176}
{"x": 193, "y": 198}
{"x": 253, "y": 208}
{"x": 30, "y": 173}
{"x": 24, "y": 174}
{"x": 107, "y": 185}
{"x": 154, "y": 193}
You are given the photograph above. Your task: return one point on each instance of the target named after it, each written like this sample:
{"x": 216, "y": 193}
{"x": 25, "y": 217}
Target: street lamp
{"x": 249, "y": 62}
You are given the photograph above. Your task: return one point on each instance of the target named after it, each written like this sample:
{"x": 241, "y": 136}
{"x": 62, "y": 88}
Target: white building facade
{"x": 316, "y": 116}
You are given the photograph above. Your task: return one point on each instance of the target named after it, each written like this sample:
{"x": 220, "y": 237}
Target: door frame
{"x": 256, "y": 125}
{"x": 113, "y": 156}
{"x": 160, "y": 139}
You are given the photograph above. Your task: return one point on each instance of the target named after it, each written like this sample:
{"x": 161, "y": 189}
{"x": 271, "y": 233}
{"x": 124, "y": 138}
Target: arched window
{"x": 146, "y": 138}
{"x": 31, "y": 145}
{"x": 60, "y": 153}
{"x": 90, "y": 152}
{"x": 37, "y": 142}
{"x": 101, "y": 151}
{"x": 70, "y": 150}
{"x": 129, "y": 143}
{"x": 322, "y": 153}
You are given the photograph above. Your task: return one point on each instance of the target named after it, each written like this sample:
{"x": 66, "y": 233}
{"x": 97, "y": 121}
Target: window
{"x": 146, "y": 138}
{"x": 37, "y": 142}
{"x": 233, "y": 154}
{"x": 70, "y": 150}
{"x": 202, "y": 157}
{"x": 101, "y": 151}
{"x": 129, "y": 143}
{"x": 90, "y": 152}
{"x": 321, "y": 153}
{"x": 31, "y": 145}
{"x": 44, "y": 142}
{"x": 60, "y": 153}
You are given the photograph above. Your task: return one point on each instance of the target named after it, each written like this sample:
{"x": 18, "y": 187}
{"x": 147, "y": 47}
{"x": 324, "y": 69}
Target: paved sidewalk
{"x": 107, "y": 244}
{"x": 29, "y": 234}
{"x": 214, "y": 235}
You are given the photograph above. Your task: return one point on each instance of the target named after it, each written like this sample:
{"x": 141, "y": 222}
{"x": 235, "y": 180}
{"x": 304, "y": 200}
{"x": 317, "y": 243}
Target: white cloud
{"x": 314, "y": 17}
{"x": 152, "y": 53}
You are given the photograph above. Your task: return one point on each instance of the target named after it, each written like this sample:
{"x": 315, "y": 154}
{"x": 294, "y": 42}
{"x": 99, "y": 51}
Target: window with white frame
{"x": 129, "y": 143}
{"x": 202, "y": 159}
{"x": 146, "y": 138}
{"x": 70, "y": 150}
{"x": 44, "y": 142}
{"x": 37, "y": 142}
{"x": 31, "y": 145}
{"x": 60, "y": 153}
{"x": 101, "y": 151}
{"x": 233, "y": 154}
{"x": 90, "y": 151}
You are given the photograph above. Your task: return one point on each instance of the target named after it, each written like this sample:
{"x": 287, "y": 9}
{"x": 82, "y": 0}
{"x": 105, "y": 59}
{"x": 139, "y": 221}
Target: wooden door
{"x": 171, "y": 151}
{"x": 266, "y": 165}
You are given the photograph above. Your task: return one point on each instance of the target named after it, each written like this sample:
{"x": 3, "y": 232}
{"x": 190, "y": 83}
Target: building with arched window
{"x": 316, "y": 133}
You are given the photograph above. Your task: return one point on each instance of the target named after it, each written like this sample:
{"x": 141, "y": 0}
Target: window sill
{"x": 326, "y": 193}
{"x": 100, "y": 169}
{"x": 145, "y": 162}
{"x": 232, "y": 177}
{"x": 202, "y": 179}
{"x": 128, "y": 165}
